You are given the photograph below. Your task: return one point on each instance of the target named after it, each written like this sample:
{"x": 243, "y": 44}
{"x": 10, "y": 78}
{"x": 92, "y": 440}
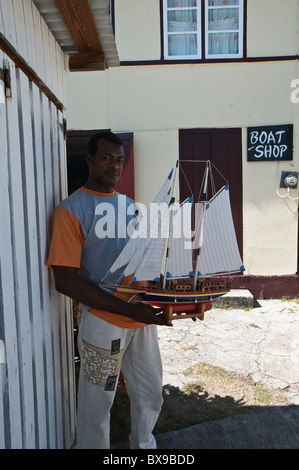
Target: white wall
{"x": 138, "y": 34}
{"x": 272, "y": 28}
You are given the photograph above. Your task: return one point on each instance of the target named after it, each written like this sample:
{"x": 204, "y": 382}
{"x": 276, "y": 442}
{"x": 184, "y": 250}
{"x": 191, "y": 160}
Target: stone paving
{"x": 262, "y": 342}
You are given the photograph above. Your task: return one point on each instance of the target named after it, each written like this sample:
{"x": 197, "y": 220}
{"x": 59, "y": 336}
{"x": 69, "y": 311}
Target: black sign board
{"x": 270, "y": 143}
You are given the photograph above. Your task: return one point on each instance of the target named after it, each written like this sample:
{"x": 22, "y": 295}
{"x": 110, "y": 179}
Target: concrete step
{"x": 236, "y": 298}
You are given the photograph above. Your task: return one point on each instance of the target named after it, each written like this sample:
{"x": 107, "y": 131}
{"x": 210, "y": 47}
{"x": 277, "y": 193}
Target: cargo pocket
{"x": 100, "y": 367}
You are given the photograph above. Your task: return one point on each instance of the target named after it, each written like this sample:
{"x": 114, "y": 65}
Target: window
{"x": 182, "y": 37}
{"x": 224, "y": 27}
{"x": 187, "y": 36}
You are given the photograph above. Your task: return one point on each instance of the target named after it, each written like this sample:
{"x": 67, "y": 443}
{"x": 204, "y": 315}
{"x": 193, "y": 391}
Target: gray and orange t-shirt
{"x": 89, "y": 230}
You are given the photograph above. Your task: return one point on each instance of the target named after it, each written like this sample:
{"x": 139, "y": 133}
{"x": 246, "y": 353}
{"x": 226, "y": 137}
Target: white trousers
{"x": 104, "y": 350}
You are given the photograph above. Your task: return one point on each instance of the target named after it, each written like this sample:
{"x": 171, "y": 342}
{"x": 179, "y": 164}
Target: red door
{"x": 223, "y": 147}
{"x": 126, "y": 182}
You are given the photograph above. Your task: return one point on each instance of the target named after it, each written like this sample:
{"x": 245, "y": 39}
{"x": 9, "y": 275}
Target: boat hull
{"x": 181, "y": 302}
{"x": 190, "y": 307}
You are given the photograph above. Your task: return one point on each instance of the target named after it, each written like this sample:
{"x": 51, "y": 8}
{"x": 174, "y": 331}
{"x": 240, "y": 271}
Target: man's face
{"x": 106, "y": 166}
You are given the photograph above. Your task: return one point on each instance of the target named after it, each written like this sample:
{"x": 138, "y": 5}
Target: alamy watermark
{"x": 295, "y": 92}
{"x": 135, "y": 221}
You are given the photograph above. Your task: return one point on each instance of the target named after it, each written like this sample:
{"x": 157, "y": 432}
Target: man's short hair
{"x": 109, "y": 136}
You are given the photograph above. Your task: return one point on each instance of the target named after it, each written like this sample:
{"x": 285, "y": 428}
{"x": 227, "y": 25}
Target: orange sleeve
{"x": 67, "y": 240}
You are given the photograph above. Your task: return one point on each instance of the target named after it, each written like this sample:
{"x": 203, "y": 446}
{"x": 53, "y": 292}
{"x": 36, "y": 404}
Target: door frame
{"x": 81, "y": 138}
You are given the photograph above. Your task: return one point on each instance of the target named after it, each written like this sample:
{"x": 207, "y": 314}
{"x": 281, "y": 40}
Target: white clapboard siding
{"x": 24, "y": 28}
{"x": 2, "y": 393}
{"x": 37, "y": 379}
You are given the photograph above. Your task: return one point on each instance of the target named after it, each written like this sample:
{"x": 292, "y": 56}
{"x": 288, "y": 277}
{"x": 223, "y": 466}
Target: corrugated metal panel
{"x": 37, "y": 389}
{"x": 101, "y": 12}
{"x": 51, "y": 16}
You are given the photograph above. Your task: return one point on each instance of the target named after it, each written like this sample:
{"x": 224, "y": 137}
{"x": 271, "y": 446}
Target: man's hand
{"x": 144, "y": 313}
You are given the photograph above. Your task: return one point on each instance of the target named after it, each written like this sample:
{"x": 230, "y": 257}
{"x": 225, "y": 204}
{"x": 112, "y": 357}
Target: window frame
{"x": 202, "y": 34}
{"x": 198, "y": 32}
{"x": 240, "y": 31}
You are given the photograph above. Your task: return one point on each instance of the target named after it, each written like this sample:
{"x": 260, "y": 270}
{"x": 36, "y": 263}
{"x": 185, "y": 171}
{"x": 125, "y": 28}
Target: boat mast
{"x": 170, "y": 226}
{"x": 201, "y": 229}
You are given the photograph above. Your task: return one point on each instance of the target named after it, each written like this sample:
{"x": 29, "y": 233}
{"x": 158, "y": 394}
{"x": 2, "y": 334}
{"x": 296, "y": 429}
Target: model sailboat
{"x": 168, "y": 265}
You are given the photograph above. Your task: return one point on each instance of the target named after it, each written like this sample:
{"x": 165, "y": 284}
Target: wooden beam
{"x": 78, "y": 18}
{"x": 8, "y": 49}
{"x": 86, "y": 62}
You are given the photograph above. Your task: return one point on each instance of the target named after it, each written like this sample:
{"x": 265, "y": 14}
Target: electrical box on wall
{"x": 5, "y": 82}
{"x": 289, "y": 179}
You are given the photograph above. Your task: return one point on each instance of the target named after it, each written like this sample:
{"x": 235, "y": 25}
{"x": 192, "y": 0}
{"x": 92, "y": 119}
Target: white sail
{"x": 219, "y": 252}
{"x": 198, "y": 235}
{"x": 149, "y": 268}
{"x": 140, "y": 239}
{"x": 179, "y": 261}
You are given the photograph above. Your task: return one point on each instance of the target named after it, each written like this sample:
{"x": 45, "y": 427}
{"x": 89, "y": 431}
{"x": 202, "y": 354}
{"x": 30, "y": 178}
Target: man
{"x": 113, "y": 334}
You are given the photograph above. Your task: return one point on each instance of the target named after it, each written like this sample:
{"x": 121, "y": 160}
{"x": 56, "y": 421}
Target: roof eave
{"x": 83, "y": 30}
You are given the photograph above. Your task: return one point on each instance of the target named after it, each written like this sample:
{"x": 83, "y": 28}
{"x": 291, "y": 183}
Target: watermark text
{"x": 295, "y": 92}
